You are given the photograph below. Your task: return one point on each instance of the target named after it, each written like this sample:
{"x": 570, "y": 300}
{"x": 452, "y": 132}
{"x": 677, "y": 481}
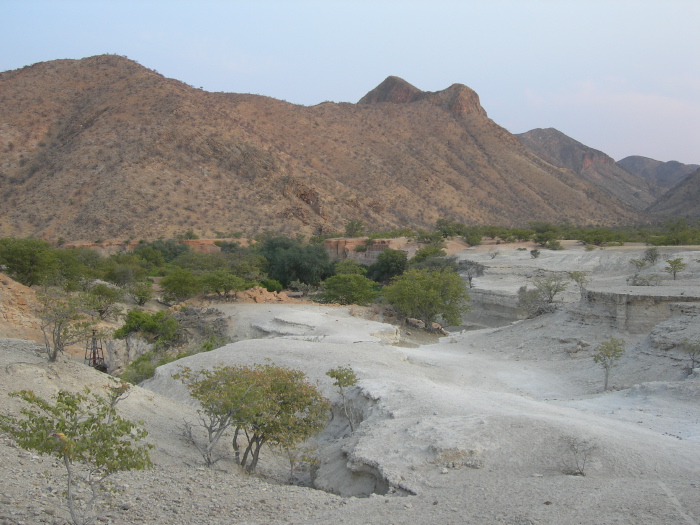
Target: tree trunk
{"x": 607, "y": 374}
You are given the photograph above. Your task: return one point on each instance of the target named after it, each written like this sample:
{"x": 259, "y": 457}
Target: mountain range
{"x": 103, "y": 147}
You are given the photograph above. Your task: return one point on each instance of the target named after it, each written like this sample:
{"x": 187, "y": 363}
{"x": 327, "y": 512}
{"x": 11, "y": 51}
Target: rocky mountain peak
{"x": 460, "y": 100}
{"x": 394, "y": 90}
{"x": 457, "y": 99}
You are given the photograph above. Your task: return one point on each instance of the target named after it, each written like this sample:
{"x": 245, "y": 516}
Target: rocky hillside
{"x": 590, "y": 164}
{"x": 683, "y": 200}
{"x": 104, "y": 148}
{"x": 662, "y": 176}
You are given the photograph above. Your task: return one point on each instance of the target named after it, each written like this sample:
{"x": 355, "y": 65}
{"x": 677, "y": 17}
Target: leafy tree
{"x": 344, "y": 377}
{"x": 222, "y": 282}
{"x": 607, "y": 354}
{"x": 71, "y": 270}
{"x": 159, "y": 328}
{"x": 597, "y": 236}
{"x": 354, "y": 228}
{"x": 540, "y": 300}
{"x": 140, "y": 292}
{"x": 549, "y": 287}
{"x": 427, "y": 295}
{"x": 427, "y": 252}
{"x": 102, "y": 300}
{"x": 675, "y": 266}
{"x": 545, "y": 237}
{"x": 272, "y": 285}
{"x": 63, "y": 320}
{"x": 441, "y": 262}
{"x": 349, "y": 267}
{"x": 170, "y": 249}
{"x": 265, "y": 404}
{"x": 448, "y": 228}
{"x": 349, "y": 289}
{"x": 180, "y": 285}
{"x": 123, "y": 269}
{"x": 390, "y": 263}
{"x": 678, "y": 232}
{"x": 472, "y": 236}
{"x": 28, "y": 261}
{"x": 427, "y": 237}
{"x": 86, "y": 434}
{"x": 289, "y": 260}
{"x": 151, "y": 255}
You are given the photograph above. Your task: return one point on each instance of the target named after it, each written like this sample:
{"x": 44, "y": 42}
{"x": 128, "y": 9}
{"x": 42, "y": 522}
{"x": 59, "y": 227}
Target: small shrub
{"x": 578, "y": 453}
{"x": 272, "y": 285}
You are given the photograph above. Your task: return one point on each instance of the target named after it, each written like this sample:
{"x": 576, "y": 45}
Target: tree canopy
{"x": 427, "y": 295}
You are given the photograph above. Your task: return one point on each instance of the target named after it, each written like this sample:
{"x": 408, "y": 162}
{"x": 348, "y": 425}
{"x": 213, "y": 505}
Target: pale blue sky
{"x": 620, "y": 76}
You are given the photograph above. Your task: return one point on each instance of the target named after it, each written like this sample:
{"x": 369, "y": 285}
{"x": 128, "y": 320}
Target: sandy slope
{"x": 468, "y": 430}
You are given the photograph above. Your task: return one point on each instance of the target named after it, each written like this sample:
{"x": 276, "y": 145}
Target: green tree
{"x": 159, "y": 328}
{"x": 675, "y": 266}
{"x": 344, "y": 378}
{"x": 390, "y": 263}
{"x": 265, "y": 404}
{"x": 349, "y": 267}
{"x": 180, "y": 285}
{"x": 28, "y": 261}
{"x": 607, "y": 354}
{"x": 123, "y": 269}
{"x": 349, "y": 289}
{"x": 103, "y": 301}
{"x": 222, "y": 282}
{"x": 540, "y": 300}
{"x": 289, "y": 261}
{"x": 87, "y": 435}
{"x": 427, "y": 252}
{"x": 140, "y": 292}
{"x": 354, "y": 228}
{"x": 64, "y": 321}
{"x": 428, "y": 295}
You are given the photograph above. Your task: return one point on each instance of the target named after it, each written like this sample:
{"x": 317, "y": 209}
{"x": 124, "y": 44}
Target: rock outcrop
{"x": 458, "y": 99}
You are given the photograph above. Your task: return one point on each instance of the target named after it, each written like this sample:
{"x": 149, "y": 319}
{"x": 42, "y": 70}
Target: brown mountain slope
{"x": 683, "y": 200}
{"x": 105, "y": 148}
{"x": 592, "y": 165}
{"x": 662, "y": 176}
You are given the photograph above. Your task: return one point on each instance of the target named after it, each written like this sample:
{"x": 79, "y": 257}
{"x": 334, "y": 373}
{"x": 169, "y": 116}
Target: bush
{"x": 264, "y": 404}
{"x": 87, "y": 435}
{"x": 180, "y": 285}
{"x": 349, "y": 289}
{"x": 272, "y": 285}
{"x": 426, "y": 295}
{"x": 607, "y": 354}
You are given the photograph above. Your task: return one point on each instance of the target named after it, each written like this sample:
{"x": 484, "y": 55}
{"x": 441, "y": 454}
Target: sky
{"x": 621, "y": 76}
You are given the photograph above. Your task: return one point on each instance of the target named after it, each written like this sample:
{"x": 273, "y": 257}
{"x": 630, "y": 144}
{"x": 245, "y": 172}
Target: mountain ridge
{"x": 102, "y": 147}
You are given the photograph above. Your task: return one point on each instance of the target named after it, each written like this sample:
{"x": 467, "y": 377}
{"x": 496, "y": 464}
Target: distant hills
{"x": 662, "y": 176}
{"x": 103, "y": 148}
{"x": 592, "y": 165}
{"x": 683, "y": 200}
